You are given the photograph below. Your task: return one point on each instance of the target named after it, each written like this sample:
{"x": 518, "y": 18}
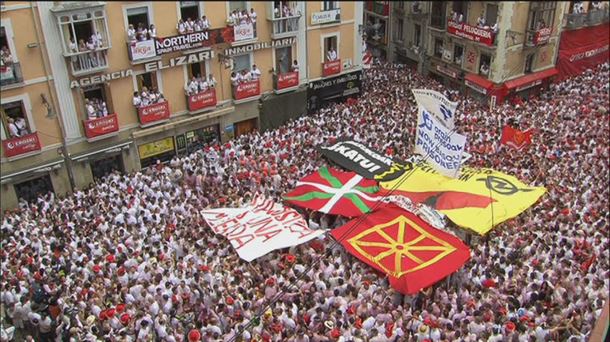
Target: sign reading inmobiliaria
{"x": 476, "y": 34}
{"x": 331, "y": 67}
{"x": 154, "y": 112}
{"x": 260, "y": 228}
{"x": 247, "y": 89}
{"x": 202, "y": 100}
{"x": 101, "y": 126}
{"x": 25, "y": 144}
{"x": 287, "y": 80}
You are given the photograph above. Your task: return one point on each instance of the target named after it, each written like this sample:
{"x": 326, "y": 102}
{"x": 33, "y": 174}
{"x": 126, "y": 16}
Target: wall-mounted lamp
{"x": 47, "y": 104}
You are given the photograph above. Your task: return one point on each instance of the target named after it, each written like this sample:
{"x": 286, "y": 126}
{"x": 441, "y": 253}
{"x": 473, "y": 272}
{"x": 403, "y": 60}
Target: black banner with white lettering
{"x": 364, "y": 161}
{"x": 333, "y": 89}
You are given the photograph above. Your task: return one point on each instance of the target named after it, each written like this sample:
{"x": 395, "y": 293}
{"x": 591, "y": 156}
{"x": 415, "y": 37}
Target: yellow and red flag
{"x": 516, "y": 138}
{"x": 396, "y": 242}
{"x": 478, "y": 199}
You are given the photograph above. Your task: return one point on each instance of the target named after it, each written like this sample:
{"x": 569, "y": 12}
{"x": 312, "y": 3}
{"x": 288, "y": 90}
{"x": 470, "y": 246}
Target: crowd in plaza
{"x": 130, "y": 258}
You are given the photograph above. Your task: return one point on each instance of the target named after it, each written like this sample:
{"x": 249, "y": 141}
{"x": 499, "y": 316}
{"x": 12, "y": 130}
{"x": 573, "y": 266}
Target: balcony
{"x": 21, "y": 146}
{"x": 331, "y": 67}
{"x": 140, "y": 51}
{"x": 243, "y": 34}
{"x": 246, "y": 91}
{"x": 484, "y": 36}
{"x": 284, "y": 26}
{"x": 326, "y": 17}
{"x": 537, "y": 37}
{"x": 285, "y": 82}
{"x": 153, "y": 114}
{"x": 204, "y": 100}
{"x": 88, "y": 62}
{"x": 10, "y": 74}
{"x": 575, "y": 20}
{"x": 101, "y": 128}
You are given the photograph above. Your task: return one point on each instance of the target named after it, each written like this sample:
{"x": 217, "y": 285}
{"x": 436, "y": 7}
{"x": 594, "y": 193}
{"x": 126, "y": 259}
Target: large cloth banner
{"x": 413, "y": 254}
{"x": 582, "y": 49}
{"x": 439, "y": 145}
{"x": 366, "y": 162}
{"x": 335, "y": 192}
{"x": 437, "y": 104}
{"x": 260, "y": 228}
{"x": 479, "y": 199}
{"x": 515, "y": 138}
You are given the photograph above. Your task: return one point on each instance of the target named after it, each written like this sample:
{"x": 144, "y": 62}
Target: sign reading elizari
{"x": 364, "y": 161}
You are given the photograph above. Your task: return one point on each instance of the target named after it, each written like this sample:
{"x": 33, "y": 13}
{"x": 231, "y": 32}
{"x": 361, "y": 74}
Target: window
{"x": 237, "y": 6}
{"x": 491, "y": 14}
{"x": 458, "y": 53}
{"x": 283, "y": 59}
{"x": 31, "y": 189}
{"x": 461, "y": 7}
{"x": 437, "y": 14}
{"x": 148, "y": 80}
{"x": 417, "y": 33}
{"x": 79, "y": 28}
{"x": 529, "y": 63}
{"x": 484, "y": 64}
{"x": 139, "y": 21}
{"x": 15, "y": 119}
{"x": 97, "y": 101}
{"x": 438, "y": 47}
{"x": 10, "y": 69}
{"x": 241, "y": 62}
{"x": 330, "y": 46}
{"x": 399, "y": 30}
{"x": 400, "y": 4}
{"x": 197, "y": 70}
{"x": 330, "y": 5}
{"x": 189, "y": 9}
{"x": 543, "y": 17}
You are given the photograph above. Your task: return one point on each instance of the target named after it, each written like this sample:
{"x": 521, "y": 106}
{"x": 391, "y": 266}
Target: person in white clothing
{"x": 255, "y": 73}
{"x": 12, "y": 128}
{"x": 331, "y": 55}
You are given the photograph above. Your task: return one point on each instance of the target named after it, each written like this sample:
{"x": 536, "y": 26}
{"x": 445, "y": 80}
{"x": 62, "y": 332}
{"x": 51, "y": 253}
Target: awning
{"x": 478, "y": 83}
{"x": 530, "y": 80}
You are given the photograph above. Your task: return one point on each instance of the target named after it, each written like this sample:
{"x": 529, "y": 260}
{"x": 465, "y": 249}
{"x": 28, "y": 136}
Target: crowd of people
{"x": 96, "y": 108}
{"x": 190, "y": 26}
{"x": 141, "y": 33}
{"x": 131, "y": 259}
{"x": 240, "y": 17}
{"x": 147, "y": 97}
{"x": 245, "y": 76}
{"x": 199, "y": 84}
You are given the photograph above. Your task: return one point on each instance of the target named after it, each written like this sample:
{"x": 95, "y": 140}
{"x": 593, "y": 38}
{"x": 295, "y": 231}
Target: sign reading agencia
{"x": 148, "y": 67}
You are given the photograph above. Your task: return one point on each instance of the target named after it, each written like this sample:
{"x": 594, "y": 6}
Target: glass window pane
{"x": 241, "y": 62}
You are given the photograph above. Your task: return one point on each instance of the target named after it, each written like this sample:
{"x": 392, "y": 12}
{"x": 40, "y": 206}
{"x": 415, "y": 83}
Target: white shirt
{"x": 331, "y": 55}
{"x": 256, "y": 74}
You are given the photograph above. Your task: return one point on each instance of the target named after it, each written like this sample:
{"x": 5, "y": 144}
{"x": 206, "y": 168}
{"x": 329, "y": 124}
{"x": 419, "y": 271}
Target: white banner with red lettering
{"x": 260, "y": 228}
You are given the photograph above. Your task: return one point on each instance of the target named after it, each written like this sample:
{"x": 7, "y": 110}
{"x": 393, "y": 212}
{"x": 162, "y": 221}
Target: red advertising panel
{"x": 25, "y": 144}
{"x": 247, "y": 89}
{"x": 287, "y": 80}
{"x": 154, "y": 112}
{"x": 331, "y": 67}
{"x": 202, "y": 100}
{"x": 582, "y": 49}
{"x": 476, "y": 34}
{"x": 101, "y": 126}
{"x": 542, "y": 36}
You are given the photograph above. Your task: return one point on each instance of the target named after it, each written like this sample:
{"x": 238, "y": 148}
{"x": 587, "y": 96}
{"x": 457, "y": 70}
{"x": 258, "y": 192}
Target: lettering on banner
{"x": 437, "y": 144}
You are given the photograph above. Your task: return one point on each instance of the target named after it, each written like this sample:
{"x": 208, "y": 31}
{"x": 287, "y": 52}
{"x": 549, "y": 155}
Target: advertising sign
{"x": 542, "y": 36}
{"x": 476, "y": 34}
{"x": 155, "y": 148}
{"x": 336, "y": 88}
{"x": 154, "y": 112}
{"x": 16, "y": 146}
{"x": 247, "y": 89}
{"x": 326, "y": 17}
{"x": 193, "y": 40}
{"x": 243, "y": 31}
{"x": 202, "y": 100}
{"x": 142, "y": 50}
{"x": 101, "y": 126}
{"x": 331, "y": 67}
{"x": 287, "y": 80}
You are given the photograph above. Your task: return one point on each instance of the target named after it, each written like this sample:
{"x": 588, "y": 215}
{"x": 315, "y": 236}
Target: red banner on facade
{"x": 154, "y": 112}
{"x": 25, "y": 144}
{"x": 583, "y": 49}
{"x": 101, "y": 126}
{"x": 247, "y": 89}
{"x": 542, "y": 36}
{"x": 287, "y": 80}
{"x": 202, "y": 100}
{"x": 476, "y": 34}
{"x": 331, "y": 67}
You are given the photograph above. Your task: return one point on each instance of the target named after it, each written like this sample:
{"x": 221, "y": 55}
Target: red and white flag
{"x": 516, "y": 138}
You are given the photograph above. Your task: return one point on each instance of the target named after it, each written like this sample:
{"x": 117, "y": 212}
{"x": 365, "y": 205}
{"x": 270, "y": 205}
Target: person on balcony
{"x": 484, "y": 69}
{"x": 142, "y": 30}
{"x": 205, "y": 23}
{"x": 197, "y": 26}
{"x": 192, "y": 87}
{"x": 331, "y": 55}
{"x": 12, "y": 128}
{"x": 137, "y": 100}
{"x": 203, "y": 85}
{"x": 83, "y": 58}
{"x": 295, "y": 66}
{"x": 246, "y": 76}
{"x": 495, "y": 28}
{"x": 91, "y": 112}
{"x": 131, "y": 33}
{"x": 211, "y": 81}
{"x": 181, "y": 27}
{"x": 481, "y": 21}
{"x": 235, "y": 79}
{"x": 92, "y": 54}
{"x": 145, "y": 96}
{"x": 152, "y": 31}
{"x": 253, "y": 16}
{"x": 22, "y": 126}
{"x": 255, "y": 73}
{"x": 190, "y": 25}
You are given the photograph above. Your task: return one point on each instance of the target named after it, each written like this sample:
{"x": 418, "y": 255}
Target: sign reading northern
{"x": 366, "y": 162}
{"x": 193, "y": 40}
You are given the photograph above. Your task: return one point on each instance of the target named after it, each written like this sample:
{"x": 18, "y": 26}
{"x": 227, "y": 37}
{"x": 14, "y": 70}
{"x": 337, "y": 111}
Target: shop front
{"x": 336, "y": 89}
{"x": 530, "y": 84}
{"x": 245, "y": 127}
{"x": 104, "y": 165}
{"x": 161, "y": 150}
{"x": 30, "y": 189}
{"x": 194, "y": 140}
{"x": 478, "y": 86}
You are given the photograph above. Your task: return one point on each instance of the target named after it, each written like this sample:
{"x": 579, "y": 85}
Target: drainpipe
{"x": 52, "y": 111}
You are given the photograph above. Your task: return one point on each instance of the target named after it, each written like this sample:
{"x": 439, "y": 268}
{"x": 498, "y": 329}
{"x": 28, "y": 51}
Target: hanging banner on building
{"x": 243, "y": 31}
{"x": 476, "y": 34}
{"x": 325, "y": 17}
{"x": 437, "y": 104}
{"x": 140, "y": 50}
{"x": 101, "y": 126}
{"x": 287, "y": 80}
{"x": 440, "y": 146}
{"x": 366, "y": 162}
{"x": 156, "y": 147}
{"x": 204, "y": 99}
{"x": 21, "y": 145}
{"x": 154, "y": 112}
{"x": 583, "y": 49}
{"x": 259, "y": 228}
{"x": 247, "y": 89}
{"x": 194, "y": 40}
{"x": 331, "y": 67}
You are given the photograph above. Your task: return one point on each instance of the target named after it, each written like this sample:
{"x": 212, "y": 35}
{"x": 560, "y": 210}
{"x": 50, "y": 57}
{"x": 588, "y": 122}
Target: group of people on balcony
{"x": 482, "y": 23}
{"x": 287, "y": 25}
{"x": 96, "y": 108}
{"x": 141, "y": 33}
{"x": 190, "y": 26}
{"x": 199, "y": 84}
{"x": 6, "y": 63}
{"x": 147, "y": 97}
{"x": 238, "y": 17}
{"x": 87, "y": 50}
{"x": 17, "y": 127}
{"x": 245, "y": 76}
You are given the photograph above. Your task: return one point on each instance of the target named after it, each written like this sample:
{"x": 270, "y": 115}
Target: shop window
{"x": 458, "y": 53}
{"x": 400, "y": 24}
{"x": 417, "y": 33}
{"x": 197, "y": 139}
{"x": 438, "y": 14}
{"x": 103, "y": 167}
{"x": 81, "y": 28}
{"x": 330, "y": 48}
{"x": 484, "y": 64}
{"x": 283, "y": 59}
{"x": 15, "y": 119}
{"x": 330, "y": 5}
{"x": 241, "y": 62}
{"x": 438, "y": 47}
{"x": 96, "y": 101}
{"x": 237, "y": 6}
{"x": 30, "y": 190}
{"x": 529, "y": 63}
{"x": 491, "y": 14}
{"x": 189, "y": 9}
